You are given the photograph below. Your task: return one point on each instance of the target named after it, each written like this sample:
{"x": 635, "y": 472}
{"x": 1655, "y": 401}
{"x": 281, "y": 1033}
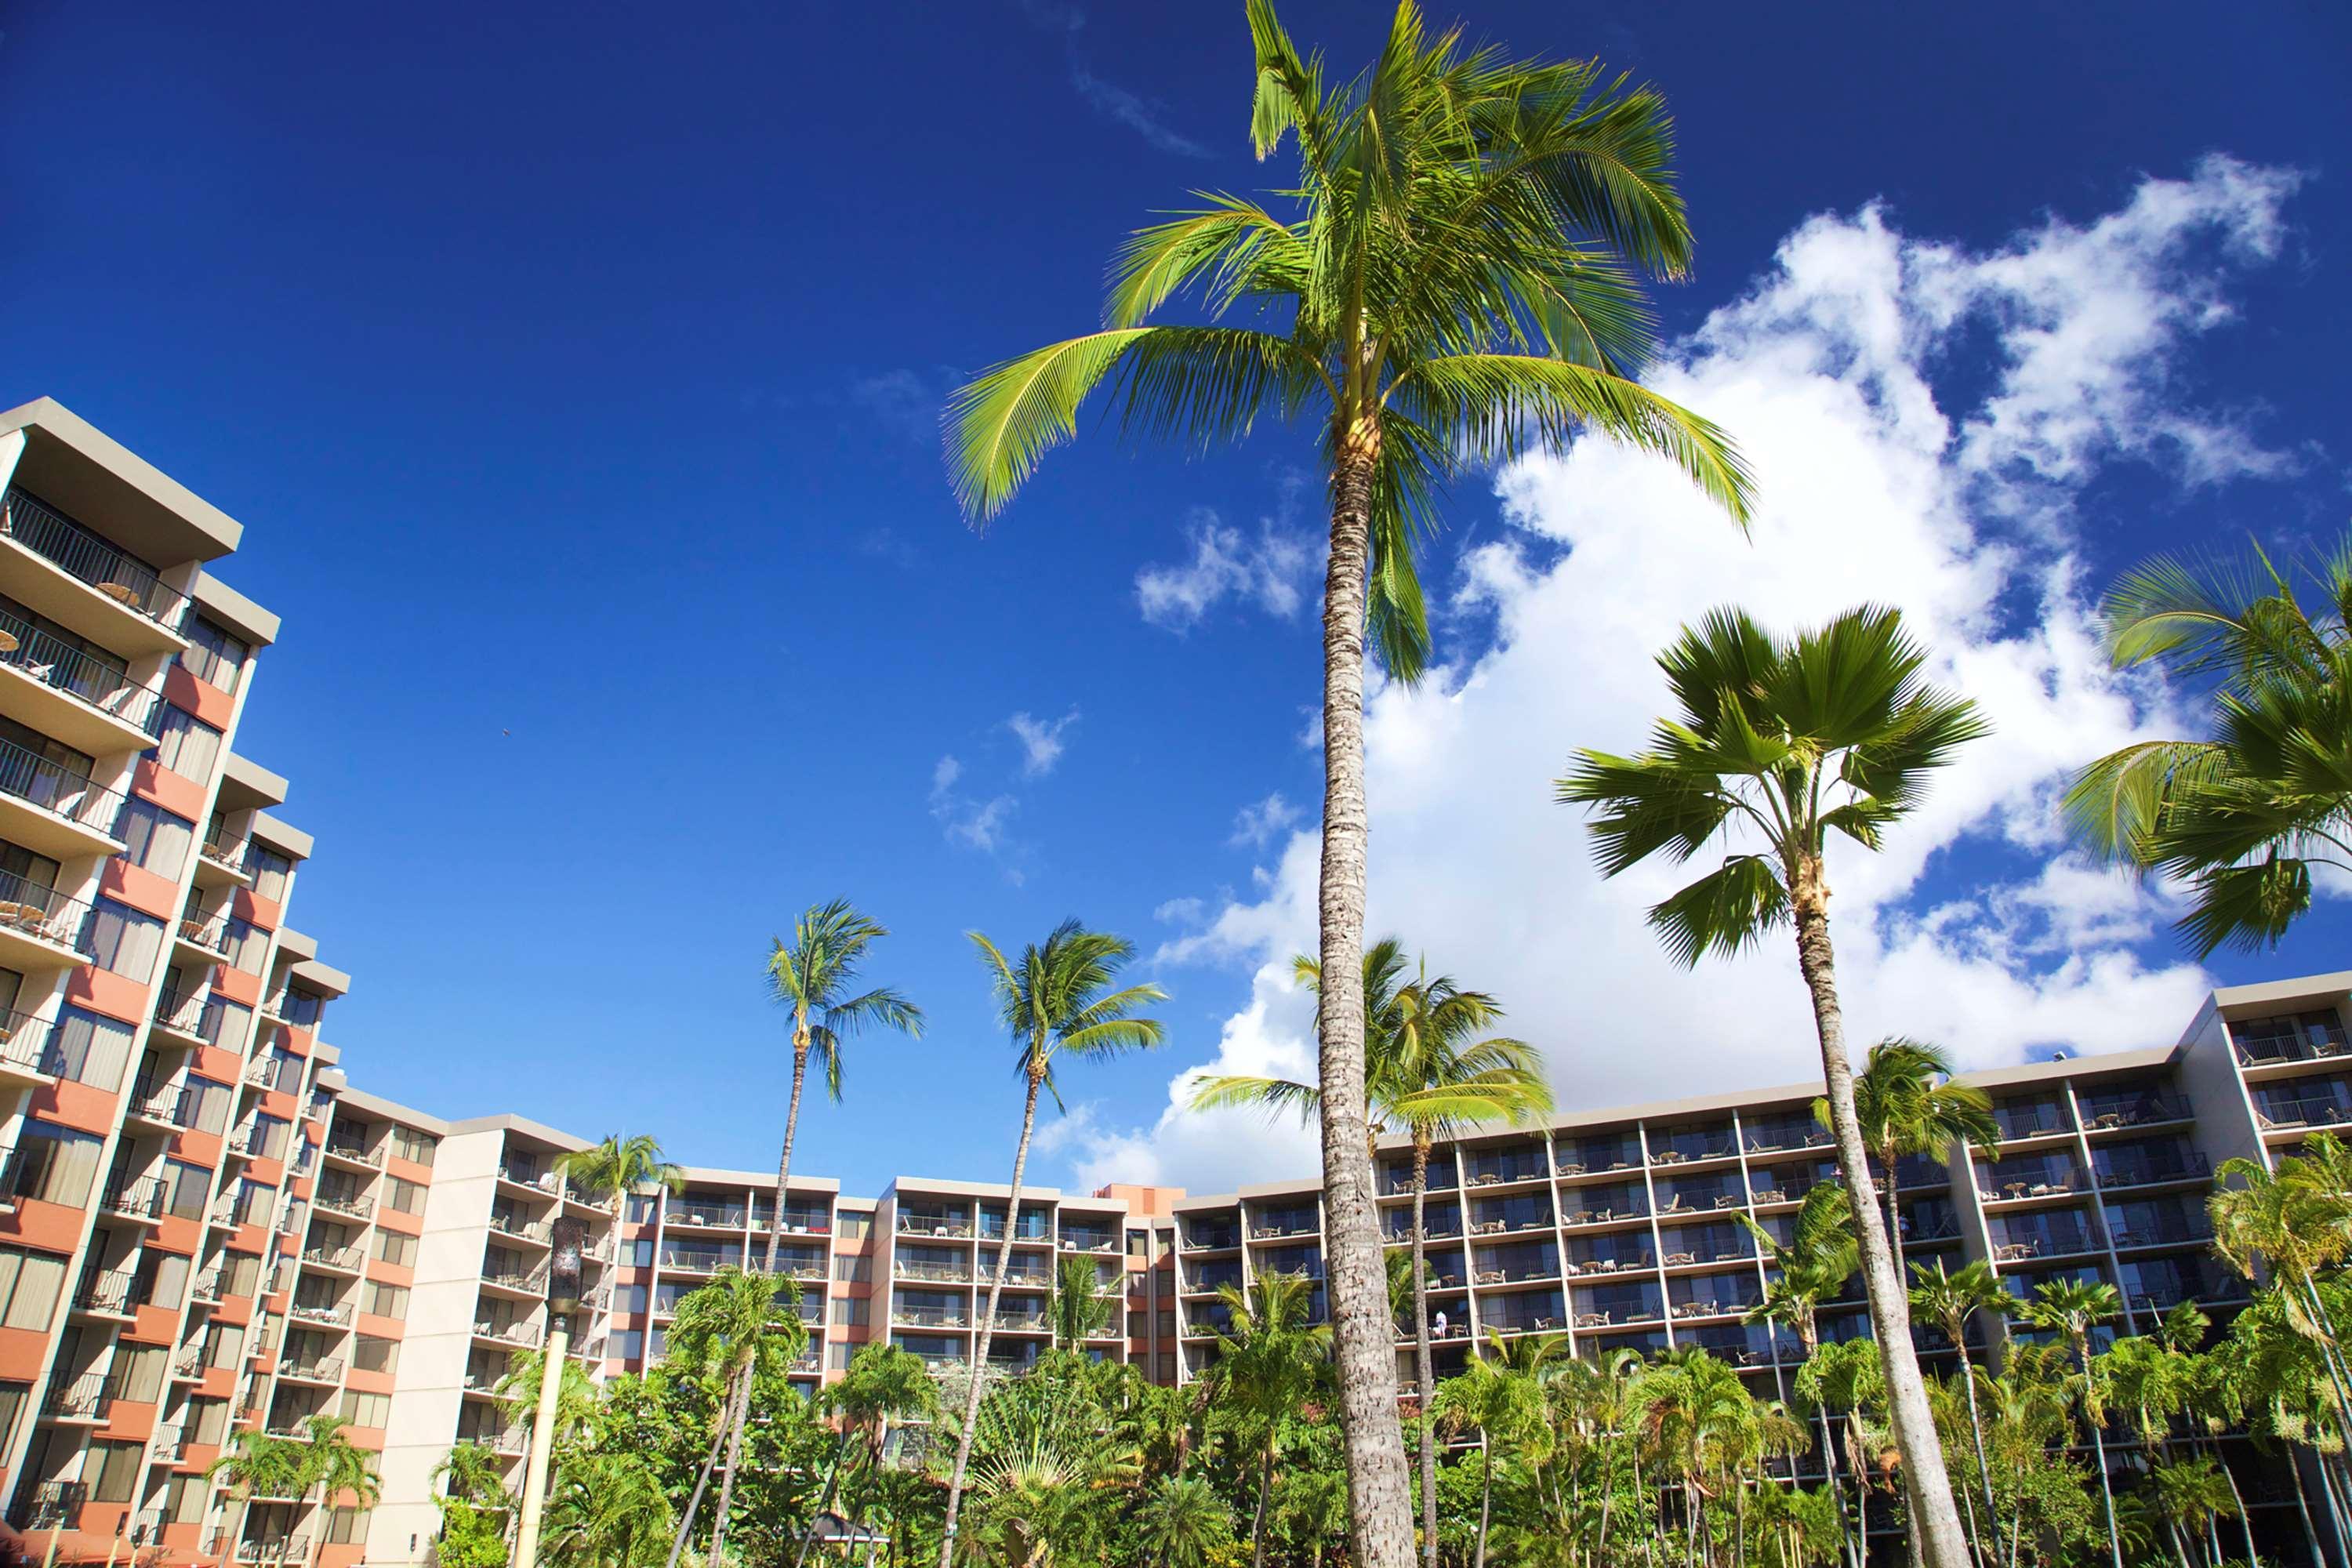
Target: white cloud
{"x": 1877, "y": 483}
{"x": 1270, "y": 571}
{"x": 977, "y": 824}
{"x": 1257, "y": 823}
{"x": 1040, "y": 741}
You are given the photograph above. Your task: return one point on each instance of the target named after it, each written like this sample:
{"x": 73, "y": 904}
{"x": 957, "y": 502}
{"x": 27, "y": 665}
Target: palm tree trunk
{"x": 1976, "y": 1425}
{"x": 739, "y": 1419}
{"x": 1926, "y": 1484}
{"x": 1424, "y": 1368}
{"x": 987, "y": 1321}
{"x": 792, "y": 1125}
{"x": 2107, "y": 1487}
{"x": 1264, "y": 1493}
{"x": 1485, "y": 1493}
{"x": 1363, "y": 1333}
{"x": 719, "y": 1428}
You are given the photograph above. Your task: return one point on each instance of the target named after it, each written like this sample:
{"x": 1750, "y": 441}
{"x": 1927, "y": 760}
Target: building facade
{"x": 205, "y": 1227}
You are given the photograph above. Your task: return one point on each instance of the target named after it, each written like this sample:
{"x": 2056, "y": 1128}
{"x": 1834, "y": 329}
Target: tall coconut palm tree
{"x": 1779, "y": 743}
{"x": 1950, "y": 1300}
{"x": 604, "y": 1510}
{"x": 1059, "y": 1000}
{"x": 743, "y": 1324}
{"x": 2072, "y": 1310}
{"x": 1270, "y": 1360}
{"x": 1453, "y": 276}
{"x": 256, "y": 1464}
{"x": 620, "y": 1165}
{"x": 1078, "y": 1307}
{"x": 333, "y": 1466}
{"x": 1425, "y": 1071}
{"x": 2241, "y": 817}
{"x": 2191, "y": 1494}
{"x": 1907, "y": 1103}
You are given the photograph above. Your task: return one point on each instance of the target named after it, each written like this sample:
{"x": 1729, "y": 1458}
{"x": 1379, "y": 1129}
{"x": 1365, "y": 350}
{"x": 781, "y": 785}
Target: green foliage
{"x": 621, "y": 1163}
{"x": 814, "y": 976}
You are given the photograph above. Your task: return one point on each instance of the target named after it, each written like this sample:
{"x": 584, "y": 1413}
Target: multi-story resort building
{"x": 205, "y": 1227}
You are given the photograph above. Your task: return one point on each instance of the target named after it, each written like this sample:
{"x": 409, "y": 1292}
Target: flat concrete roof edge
{"x": 245, "y": 771}
{"x": 325, "y": 976}
{"x": 279, "y": 834}
{"x": 54, "y": 419}
{"x": 234, "y": 610}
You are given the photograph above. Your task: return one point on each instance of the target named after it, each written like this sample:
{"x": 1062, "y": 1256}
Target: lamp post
{"x": 570, "y": 1236}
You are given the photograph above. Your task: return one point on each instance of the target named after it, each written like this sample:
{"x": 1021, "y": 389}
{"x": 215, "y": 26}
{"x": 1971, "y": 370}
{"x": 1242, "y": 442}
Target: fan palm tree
{"x": 1426, "y": 1071}
{"x": 1059, "y": 1000}
{"x": 1079, "y": 1309}
{"x": 1950, "y": 1300}
{"x": 1907, "y": 1103}
{"x": 2244, "y": 816}
{"x": 1181, "y": 1522}
{"x": 742, "y": 1325}
{"x": 620, "y": 1165}
{"x": 1270, "y": 1360}
{"x": 1454, "y": 275}
{"x": 2072, "y": 1310}
{"x": 257, "y": 1464}
{"x": 1779, "y": 743}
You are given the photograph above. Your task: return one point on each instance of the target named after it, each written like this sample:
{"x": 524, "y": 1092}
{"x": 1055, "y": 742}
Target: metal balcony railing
{"x": 320, "y": 1369}
{"x": 205, "y": 928}
{"x": 351, "y": 1206}
{"x": 2262, "y": 1052}
{"x": 75, "y": 550}
{"x": 195, "y": 1013}
{"x": 2316, "y": 1110}
{"x": 108, "y": 1292}
{"x": 334, "y": 1314}
{"x": 171, "y": 1445}
{"x": 357, "y": 1150}
{"x": 517, "y": 1278}
{"x": 62, "y": 791}
{"x": 928, "y": 1318}
{"x": 518, "y": 1333}
{"x": 141, "y": 1199}
{"x": 53, "y": 1505}
{"x": 2190, "y": 1165}
{"x": 83, "y": 1399}
{"x": 934, "y": 1224}
{"x": 95, "y": 683}
{"x": 521, "y": 1229}
{"x": 25, "y": 1041}
{"x": 939, "y": 1273}
{"x": 347, "y": 1258}
{"x": 223, "y": 848}
{"x": 31, "y": 909}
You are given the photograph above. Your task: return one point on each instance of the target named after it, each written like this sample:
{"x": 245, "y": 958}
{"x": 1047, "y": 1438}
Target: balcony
{"x": 171, "y": 1445}
{"x": 171, "y": 1105}
{"x": 695, "y": 1216}
{"x": 206, "y": 1290}
{"x": 206, "y": 930}
{"x": 539, "y": 1232}
{"x": 54, "y": 809}
{"x": 929, "y": 1318}
{"x": 87, "y": 583}
{"x": 2186, "y": 1166}
{"x": 2313, "y": 1044}
{"x": 40, "y": 928}
{"x": 2315, "y": 1110}
{"x": 223, "y": 854}
{"x": 935, "y": 1273}
{"x": 1021, "y": 1323}
{"x": 2104, "y": 1115}
{"x": 90, "y": 704}
{"x": 293, "y": 1549}
{"x": 319, "y": 1369}
{"x": 105, "y": 1295}
{"x": 141, "y": 1199}
{"x": 940, "y": 1226}
{"x": 1089, "y": 1241}
{"x": 23, "y": 1048}
{"x": 54, "y": 1504}
{"x": 194, "y": 1016}
{"x": 518, "y": 1333}
{"x": 355, "y": 1151}
{"x": 522, "y": 1282}
{"x": 83, "y": 1399}
{"x": 334, "y": 1259}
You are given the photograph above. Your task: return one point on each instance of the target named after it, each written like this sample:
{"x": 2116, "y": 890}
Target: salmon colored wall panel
{"x": 238, "y": 985}
{"x": 75, "y": 1105}
{"x": 268, "y": 1173}
{"x": 218, "y": 1382}
{"x": 298, "y": 1039}
{"x": 21, "y": 1351}
{"x": 393, "y": 1219}
{"x": 126, "y": 1421}
{"x": 201, "y": 697}
{"x": 364, "y": 1381}
{"x": 390, "y": 1273}
{"x": 409, "y": 1170}
{"x": 278, "y": 1103}
{"x": 218, "y": 1065}
{"x": 197, "y": 1148}
{"x": 156, "y": 1325}
{"x": 382, "y": 1328}
{"x": 103, "y": 991}
{"x": 47, "y": 1227}
{"x": 246, "y": 905}
{"x": 152, "y": 780}
{"x": 140, "y": 888}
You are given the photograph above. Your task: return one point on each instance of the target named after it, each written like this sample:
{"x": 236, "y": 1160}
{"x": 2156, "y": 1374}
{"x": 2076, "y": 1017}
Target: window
{"x": 89, "y": 1049}
{"x": 184, "y": 1498}
{"x": 118, "y": 1470}
{"x": 375, "y": 1354}
{"x": 185, "y": 743}
{"x": 629, "y": 1299}
{"x": 207, "y": 1422}
{"x": 1167, "y": 1323}
{"x": 1139, "y": 1322}
{"x": 413, "y": 1146}
{"x": 836, "y": 1356}
{"x": 162, "y": 1279}
{"x": 629, "y": 1344}
{"x": 383, "y": 1301}
{"x": 53, "y": 1164}
{"x": 852, "y": 1269}
{"x": 405, "y": 1196}
{"x": 856, "y": 1225}
{"x": 300, "y": 1007}
{"x": 12, "y": 1410}
{"x": 240, "y": 1272}
{"x": 29, "y": 1283}
{"x": 638, "y": 1253}
{"x": 124, "y": 941}
{"x": 212, "y": 1104}
{"x": 271, "y": 871}
{"x": 393, "y": 1248}
{"x": 246, "y": 944}
{"x": 1167, "y": 1366}
{"x": 1139, "y": 1244}
{"x": 347, "y": 1525}
{"x": 267, "y": 1140}
{"x": 185, "y": 1188}
{"x": 215, "y": 655}
{"x": 154, "y": 838}
{"x": 640, "y": 1209}
{"x": 851, "y": 1311}
{"x": 252, "y": 1206}
{"x": 366, "y": 1409}
{"x": 139, "y": 1370}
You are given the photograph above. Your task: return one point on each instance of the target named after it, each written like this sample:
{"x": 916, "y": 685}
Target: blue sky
{"x": 576, "y": 380}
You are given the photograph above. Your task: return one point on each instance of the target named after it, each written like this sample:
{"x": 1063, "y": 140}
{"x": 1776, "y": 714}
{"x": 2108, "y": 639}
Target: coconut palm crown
{"x": 2244, "y": 816}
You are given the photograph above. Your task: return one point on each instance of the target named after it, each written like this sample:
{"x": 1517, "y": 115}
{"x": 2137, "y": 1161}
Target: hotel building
{"x": 205, "y": 1228}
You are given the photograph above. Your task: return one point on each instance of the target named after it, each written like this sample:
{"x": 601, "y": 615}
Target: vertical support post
{"x": 542, "y": 1442}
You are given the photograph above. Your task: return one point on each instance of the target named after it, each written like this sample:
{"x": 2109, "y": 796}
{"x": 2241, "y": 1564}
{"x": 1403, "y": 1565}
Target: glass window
{"x": 215, "y": 655}
{"x": 139, "y": 1369}
{"x": 118, "y": 1470}
{"x": 240, "y": 1272}
{"x": 375, "y": 1354}
{"x": 163, "y": 1280}
{"x": 383, "y": 1301}
{"x": 405, "y": 1196}
{"x": 185, "y": 743}
{"x": 856, "y": 1224}
{"x": 53, "y": 1164}
{"x": 185, "y": 1189}
{"x": 245, "y": 943}
{"x": 29, "y": 1283}
{"x": 852, "y": 1269}
{"x": 212, "y": 1104}
{"x": 124, "y": 941}
{"x": 207, "y": 1421}
{"x": 366, "y": 1409}
{"x": 154, "y": 838}
{"x": 271, "y": 871}
{"x": 413, "y": 1146}
{"x": 393, "y": 1248}
{"x": 836, "y": 1356}
{"x": 629, "y": 1344}
{"x": 89, "y": 1049}
{"x": 346, "y": 1526}
{"x": 12, "y": 1410}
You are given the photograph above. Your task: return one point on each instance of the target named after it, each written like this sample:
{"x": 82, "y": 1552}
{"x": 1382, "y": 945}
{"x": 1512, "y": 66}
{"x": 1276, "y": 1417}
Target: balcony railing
{"x": 272, "y": 1547}
{"x": 539, "y": 1231}
{"x": 171, "y": 1445}
{"x": 939, "y": 1273}
{"x": 75, "y": 550}
{"x": 207, "y": 1287}
{"x": 2314, "y": 1112}
{"x": 355, "y": 1206}
{"x": 347, "y": 1258}
{"x": 61, "y": 666}
{"x": 708, "y": 1216}
{"x": 517, "y": 1278}
{"x": 109, "y": 1293}
{"x": 2188, "y": 1166}
{"x": 141, "y": 1199}
{"x": 320, "y": 1369}
{"x": 357, "y": 1150}
{"x": 336, "y": 1314}
{"x": 83, "y": 1399}
{"x": 24, "y": 1041}
{"x": 198, "y": 1014}
{"x": 518, "y": 1333}
{"x": 206, "y": 929}
{"x": 53, "y": 1505}
{"x": 1089, "y": 1241}
{"x": 928, "y": 1318}
{"x": 63, "y": 791}
{"x": 933, "y": 1225}
{"x": 2296, "y": 1049}
{"x": 32, "y": 910}
{"x": 175, "y": 1104}
{"x": 2138, "y": 1111}
{"x": 223, "y": 848}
